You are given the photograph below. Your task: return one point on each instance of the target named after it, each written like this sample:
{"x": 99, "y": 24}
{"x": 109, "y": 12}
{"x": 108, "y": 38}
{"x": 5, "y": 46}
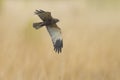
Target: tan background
{"x": 91, "y": 32}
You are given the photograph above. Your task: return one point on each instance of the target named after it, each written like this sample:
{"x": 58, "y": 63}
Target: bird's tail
{"x": 38, "y": 25}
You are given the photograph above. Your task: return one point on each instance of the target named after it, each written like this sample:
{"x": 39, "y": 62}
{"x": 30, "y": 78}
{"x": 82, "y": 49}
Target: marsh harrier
{"x": 53, "y": 29}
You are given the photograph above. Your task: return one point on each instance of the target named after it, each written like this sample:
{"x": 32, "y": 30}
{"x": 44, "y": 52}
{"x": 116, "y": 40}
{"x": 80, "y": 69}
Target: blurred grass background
{"x": 91, "y": 34}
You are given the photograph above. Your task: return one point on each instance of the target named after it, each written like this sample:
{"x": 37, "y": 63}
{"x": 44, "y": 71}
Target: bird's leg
{"x": 38, "y": 25}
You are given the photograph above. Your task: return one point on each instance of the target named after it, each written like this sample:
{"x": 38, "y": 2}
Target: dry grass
{"x": 91, "y": 43}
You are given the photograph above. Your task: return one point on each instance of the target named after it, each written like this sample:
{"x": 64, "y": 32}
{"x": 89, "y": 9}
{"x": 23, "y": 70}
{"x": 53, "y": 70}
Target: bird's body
{"x": 53, "y": 29}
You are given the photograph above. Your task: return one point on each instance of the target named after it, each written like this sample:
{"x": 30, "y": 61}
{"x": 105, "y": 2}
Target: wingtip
{"x": 37, "y": 11}
{"x": 58, "y": 50}
{"x": 58, "y": 46}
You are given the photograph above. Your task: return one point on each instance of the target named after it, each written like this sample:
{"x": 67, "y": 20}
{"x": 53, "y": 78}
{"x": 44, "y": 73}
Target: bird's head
{"x": 56, "y": 20}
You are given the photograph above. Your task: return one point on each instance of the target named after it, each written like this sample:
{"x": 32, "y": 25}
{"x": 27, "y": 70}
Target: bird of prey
{"x": 53, "y": 29}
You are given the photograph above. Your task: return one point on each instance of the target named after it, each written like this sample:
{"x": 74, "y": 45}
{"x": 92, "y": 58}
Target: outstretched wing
{"x": 56, "y": 37}
{"x": 43, "y": 15}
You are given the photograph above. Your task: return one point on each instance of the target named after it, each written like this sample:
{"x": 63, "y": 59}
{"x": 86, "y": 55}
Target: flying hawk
{"x": 53, "y": 29}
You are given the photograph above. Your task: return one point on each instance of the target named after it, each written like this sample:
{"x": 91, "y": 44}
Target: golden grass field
{"x": 91, "y": 35}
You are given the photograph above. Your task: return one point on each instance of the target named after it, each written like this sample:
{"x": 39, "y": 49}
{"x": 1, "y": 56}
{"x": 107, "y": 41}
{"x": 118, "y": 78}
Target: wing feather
{"x": 43, "y": 15}
{"x": 56, "y": 37}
